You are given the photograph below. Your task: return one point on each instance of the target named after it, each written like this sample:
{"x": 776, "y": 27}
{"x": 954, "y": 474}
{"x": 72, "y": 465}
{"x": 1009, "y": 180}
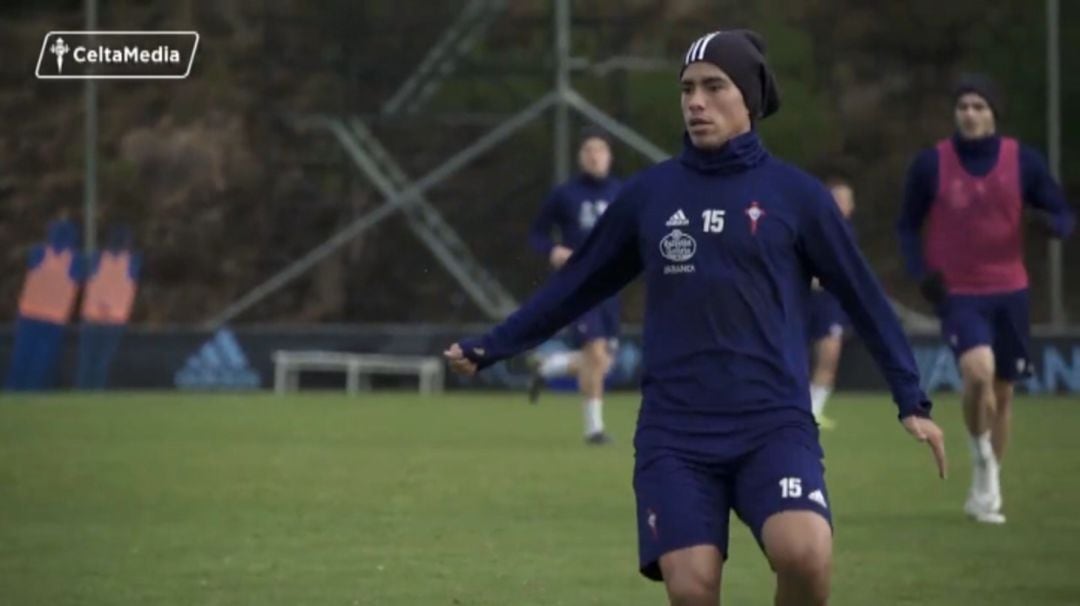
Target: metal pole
{"x": 90, "y": 177}
{"x": 619, "y": 130}
{"x": 562, "y": 87}
{"x": 407, "y": 196}
{"x": 1053, "y": 142}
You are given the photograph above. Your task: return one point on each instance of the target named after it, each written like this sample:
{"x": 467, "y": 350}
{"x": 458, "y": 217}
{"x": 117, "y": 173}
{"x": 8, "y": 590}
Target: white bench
{"x": 289, "y": 364}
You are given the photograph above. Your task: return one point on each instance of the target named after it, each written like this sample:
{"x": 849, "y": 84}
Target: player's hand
{"x": 1044, "y": 222}
{"x": 559, "y": 256}
{"x": 925, "y": 430}
{"x": 933, "y": 288}
{"x": 457, "y": 361}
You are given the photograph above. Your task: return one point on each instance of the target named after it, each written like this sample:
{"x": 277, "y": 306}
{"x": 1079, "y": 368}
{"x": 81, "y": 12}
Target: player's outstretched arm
{"x": 828, "y": 247}
{"x": 607, "y": 260}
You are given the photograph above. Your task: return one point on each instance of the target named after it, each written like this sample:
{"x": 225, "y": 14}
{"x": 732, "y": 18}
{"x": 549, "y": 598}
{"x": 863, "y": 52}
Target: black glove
{"x": 933, "y": 288}
{"x": 1044, "y": 222}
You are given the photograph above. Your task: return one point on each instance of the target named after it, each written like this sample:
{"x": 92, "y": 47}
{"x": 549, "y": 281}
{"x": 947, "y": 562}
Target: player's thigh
{"x": 596, "y": 351}
{"x": 784, "y": 474}
{"x": 966, "y": 324}
{"x": 680, "y": 504}
{"x": 1012, "y": 337}
{"x": 977, "y": 365}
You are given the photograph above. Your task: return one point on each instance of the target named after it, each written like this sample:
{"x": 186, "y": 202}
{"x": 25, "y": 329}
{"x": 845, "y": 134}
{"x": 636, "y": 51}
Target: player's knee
{"x": 691, "y": 588}
{"x": 1003, "y": 403}
{"x": 977, "y": 368}
{"x": 692, "y": 576}
{"x": 806, "y": 565}
{"x": 803, "y": 558}
{"x": 597, "y": 354}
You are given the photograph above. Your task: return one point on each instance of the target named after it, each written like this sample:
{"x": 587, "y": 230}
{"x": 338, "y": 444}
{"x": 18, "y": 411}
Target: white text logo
{"x": 118, "y": 55}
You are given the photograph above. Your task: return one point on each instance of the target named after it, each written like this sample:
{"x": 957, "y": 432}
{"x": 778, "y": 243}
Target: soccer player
{"x": 727, "y": 238}
{"x": 572, "y": 210}
{"x": 827, "y": 323}
{"x": 969, "y": 191}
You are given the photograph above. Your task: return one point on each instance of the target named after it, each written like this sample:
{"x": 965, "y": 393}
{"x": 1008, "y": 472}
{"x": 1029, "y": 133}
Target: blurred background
{"x": 255, "y": 188}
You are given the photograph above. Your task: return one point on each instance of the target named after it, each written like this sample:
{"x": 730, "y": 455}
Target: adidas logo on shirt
{"x": 818, "y": 498}
{"x": 219, "y": 363}
{"x": 678, "y": 220}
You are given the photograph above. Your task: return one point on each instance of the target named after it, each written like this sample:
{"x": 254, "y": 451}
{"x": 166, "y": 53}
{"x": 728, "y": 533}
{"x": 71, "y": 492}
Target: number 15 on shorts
{"x": 790, "y": 488}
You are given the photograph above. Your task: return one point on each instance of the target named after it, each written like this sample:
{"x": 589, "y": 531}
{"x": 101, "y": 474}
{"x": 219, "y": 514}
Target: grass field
{"x": 474, "y": 499}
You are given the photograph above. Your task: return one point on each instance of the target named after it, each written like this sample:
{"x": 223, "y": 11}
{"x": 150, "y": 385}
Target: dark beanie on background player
{"x": 591, "y": 131}
{"x": 741, "y": 54}
{"x": 981, "y": 85}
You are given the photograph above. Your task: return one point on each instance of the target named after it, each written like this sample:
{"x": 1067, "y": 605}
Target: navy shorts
{"x": 1000, "y": 321}
{"x": 826, "y": 318}
{"x": 682, "y": 502}
{"x": 600, "y": 322}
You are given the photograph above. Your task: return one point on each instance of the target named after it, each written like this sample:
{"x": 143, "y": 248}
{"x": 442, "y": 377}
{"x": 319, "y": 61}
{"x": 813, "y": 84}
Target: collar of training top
{"x": 739, "y": 154}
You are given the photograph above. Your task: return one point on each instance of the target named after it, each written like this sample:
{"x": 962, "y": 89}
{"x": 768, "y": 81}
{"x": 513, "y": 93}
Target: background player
{"x": 969, "y": 191}
{"x": 570, "y": 212}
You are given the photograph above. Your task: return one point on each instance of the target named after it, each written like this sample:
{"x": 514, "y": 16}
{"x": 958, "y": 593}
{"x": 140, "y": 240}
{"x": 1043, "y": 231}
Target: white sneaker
{"x": 990, "y": 517}
{"x": 983, "y": 503}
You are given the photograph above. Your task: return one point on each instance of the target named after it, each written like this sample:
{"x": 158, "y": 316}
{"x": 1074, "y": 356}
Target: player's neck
{"x": 591, "y": 178}
{"x": 738, "y": 154}
{"x": 977, "y": 146}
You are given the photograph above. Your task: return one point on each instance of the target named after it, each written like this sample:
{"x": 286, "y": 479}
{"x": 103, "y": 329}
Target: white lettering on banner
{"x": 1058, "y": 372}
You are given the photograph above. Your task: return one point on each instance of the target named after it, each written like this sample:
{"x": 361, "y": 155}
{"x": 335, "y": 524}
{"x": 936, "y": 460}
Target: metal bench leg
{"x": 439, "y": 380}
{"x": 352, "y": 379}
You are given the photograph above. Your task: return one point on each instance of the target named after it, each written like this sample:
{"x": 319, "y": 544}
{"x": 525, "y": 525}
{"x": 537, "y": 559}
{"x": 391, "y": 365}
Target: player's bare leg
{"x": 799, "y": 547}
{"x": 984, "y": 498}
{"x": 977, "y": 370}
{"x": 826, "y": 361}
{"x": 595, "y": 360}
{"x": 692, "y": 575}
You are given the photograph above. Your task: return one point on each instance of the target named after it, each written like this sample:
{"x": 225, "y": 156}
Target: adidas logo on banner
{"x": 220, "y": 364}
{"x": 678, "y": 220}
{"x": 818, "y": 498}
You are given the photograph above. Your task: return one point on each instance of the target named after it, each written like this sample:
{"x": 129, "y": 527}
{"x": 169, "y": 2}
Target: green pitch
{"x": 397, "y": 500}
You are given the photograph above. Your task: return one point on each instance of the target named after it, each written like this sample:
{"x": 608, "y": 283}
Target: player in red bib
{"x": 961, "y": 234}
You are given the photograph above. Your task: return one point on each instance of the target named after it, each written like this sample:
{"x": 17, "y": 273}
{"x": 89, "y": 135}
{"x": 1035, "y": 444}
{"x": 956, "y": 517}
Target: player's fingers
{"x": 937, "y": 445}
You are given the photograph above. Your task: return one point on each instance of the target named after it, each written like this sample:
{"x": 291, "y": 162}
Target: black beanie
{"x": 591, "y": 131}
{"x": 981, "y": 85}
{"x": 741, "y": 54}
